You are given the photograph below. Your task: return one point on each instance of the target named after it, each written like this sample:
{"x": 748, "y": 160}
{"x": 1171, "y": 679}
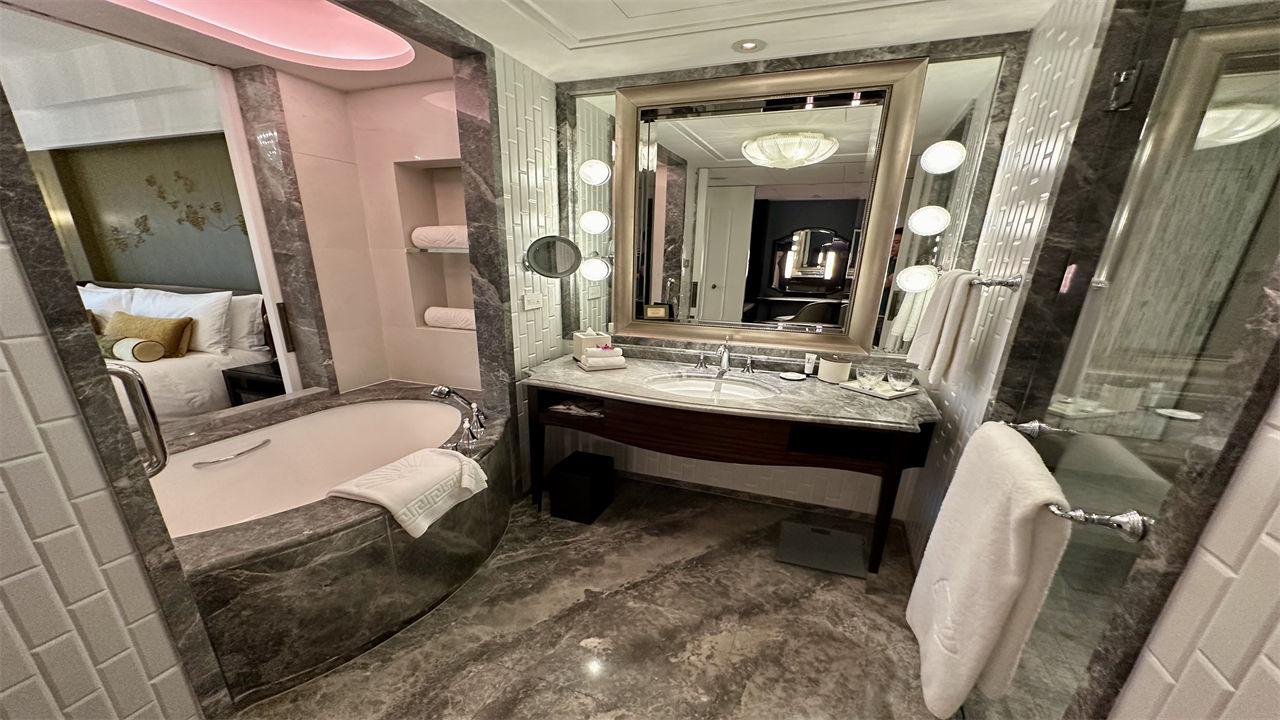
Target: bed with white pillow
{"x": 228, "y": 332}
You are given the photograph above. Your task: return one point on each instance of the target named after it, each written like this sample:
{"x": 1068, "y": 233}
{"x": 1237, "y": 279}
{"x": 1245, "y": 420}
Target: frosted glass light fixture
{"x": 789, "y": 149}
{"x": 1232, "y": 123}
{"x": 941, "y": 158}
{"x": 594, "y": 222}
{"x": 594, "y": 172}
{"x": 929, "y": 220}
{"x": 595, "y": 269}
{"x": 917, "y": 278}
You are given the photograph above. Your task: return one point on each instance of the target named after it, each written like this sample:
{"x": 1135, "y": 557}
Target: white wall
{"x": 527, "y": 132}
{"x": 1215, "y": 651}
{"x": 81, "y": 635}
{"x": 324, "y": 159}
{"x": 1042, "y": 125}
{"x": 69, "y": 87}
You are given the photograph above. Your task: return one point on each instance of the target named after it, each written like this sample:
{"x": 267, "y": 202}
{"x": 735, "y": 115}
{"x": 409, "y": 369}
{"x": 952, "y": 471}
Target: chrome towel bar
{"x": 1010, "y": 282}
{"x": 144, "y": 412}
{"x": 1132, "y": 525}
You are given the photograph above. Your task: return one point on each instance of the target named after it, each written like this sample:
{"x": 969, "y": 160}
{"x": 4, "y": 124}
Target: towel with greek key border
{"x": 419, "y": 488}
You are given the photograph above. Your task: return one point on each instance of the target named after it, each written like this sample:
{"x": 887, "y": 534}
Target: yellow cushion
{"x": 173, "y": 334}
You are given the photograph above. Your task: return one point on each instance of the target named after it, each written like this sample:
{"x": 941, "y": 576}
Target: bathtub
{"x": 291, "y": 583}
{"x": 303, "y": 459}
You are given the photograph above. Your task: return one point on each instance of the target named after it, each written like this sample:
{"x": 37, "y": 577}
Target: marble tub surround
{"x": 807, "y": 400}
{"x": 289, "y": 596}
{"x": 669, "y": 606}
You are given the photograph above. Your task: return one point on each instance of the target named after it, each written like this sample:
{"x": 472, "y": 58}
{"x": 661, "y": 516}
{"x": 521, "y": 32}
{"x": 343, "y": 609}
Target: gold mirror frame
{"x": 905, "y": 82}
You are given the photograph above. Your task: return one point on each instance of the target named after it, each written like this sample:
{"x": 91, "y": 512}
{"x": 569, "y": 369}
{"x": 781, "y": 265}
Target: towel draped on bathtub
{"x": 418, "y": 489}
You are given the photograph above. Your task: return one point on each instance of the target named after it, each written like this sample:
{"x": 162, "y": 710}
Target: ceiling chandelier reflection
{"x": 1232, "y": 123}
{"x": 789, "y": 149}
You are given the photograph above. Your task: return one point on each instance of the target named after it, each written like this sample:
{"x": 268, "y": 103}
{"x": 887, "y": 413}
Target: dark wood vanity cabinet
{"x": 737, "y": 439}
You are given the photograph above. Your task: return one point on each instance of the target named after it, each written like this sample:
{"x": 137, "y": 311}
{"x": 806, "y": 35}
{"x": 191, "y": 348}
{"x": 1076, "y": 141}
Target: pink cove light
{"x": 309, "y": 32}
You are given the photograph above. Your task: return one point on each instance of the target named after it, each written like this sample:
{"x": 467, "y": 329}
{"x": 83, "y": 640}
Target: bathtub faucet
{"x": 445, "y": 392}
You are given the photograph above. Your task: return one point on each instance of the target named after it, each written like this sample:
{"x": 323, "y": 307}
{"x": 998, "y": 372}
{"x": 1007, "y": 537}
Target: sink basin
{"x": 706, "y": 386}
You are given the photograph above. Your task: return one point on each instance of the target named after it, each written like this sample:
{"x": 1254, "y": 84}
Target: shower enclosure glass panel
{"x": 1197, "y": 233}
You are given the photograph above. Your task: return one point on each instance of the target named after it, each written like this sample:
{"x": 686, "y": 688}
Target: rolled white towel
{"x": 447, "y": 317}
{"x": 440, "y": 236}
{"x": 603, "y": 362}
{"x": 599, "y": 352}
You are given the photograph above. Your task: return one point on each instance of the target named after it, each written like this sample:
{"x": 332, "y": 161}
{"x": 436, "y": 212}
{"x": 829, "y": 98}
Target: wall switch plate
{"x": 532, "y": 301}
{"x": 595, "y": 291}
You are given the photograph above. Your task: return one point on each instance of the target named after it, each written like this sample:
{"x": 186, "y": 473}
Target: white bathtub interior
{"x": 307, "y": 456}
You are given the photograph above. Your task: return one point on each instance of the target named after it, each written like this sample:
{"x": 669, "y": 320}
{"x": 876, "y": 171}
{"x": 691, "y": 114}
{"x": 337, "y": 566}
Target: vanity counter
{"x": 808, "y": 400}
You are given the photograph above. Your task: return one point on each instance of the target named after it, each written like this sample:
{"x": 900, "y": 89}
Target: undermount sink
{"x": 706, "y": 386}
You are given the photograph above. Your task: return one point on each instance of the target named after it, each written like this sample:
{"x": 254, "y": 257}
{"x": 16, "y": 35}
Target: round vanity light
{"x": 789, "y": 149}
{"x": 594, "y": 222}
{"x": 749, "y": 46}
{"x": 1232, "y": 123}
{"x": 916, "y": 278}
{"x": 595, "y": 269}
{"x": 929, "y": 220}
{"x": 594, "y": 172}
{"x": 941, "y": 158}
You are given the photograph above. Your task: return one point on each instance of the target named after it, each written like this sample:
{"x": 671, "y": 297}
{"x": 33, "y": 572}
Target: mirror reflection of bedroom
{"x": 146, "y": 165}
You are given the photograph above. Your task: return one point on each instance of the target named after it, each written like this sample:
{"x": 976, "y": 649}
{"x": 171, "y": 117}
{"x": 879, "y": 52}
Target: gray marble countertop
{"x": 808, "y": 400}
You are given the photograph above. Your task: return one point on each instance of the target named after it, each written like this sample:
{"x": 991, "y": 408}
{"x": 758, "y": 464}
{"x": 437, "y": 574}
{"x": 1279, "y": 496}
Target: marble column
{"x": 262, "y": 110}
{"x": 41, "y": 256}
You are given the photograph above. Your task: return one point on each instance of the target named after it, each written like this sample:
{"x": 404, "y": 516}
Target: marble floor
{"x": 669, "y": 606}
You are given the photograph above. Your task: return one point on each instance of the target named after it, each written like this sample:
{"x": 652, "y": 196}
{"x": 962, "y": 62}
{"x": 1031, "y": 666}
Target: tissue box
{"x": 588, "y": 339}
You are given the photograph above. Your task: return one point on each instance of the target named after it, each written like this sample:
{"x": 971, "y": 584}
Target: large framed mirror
{"x": 694, "y": 161}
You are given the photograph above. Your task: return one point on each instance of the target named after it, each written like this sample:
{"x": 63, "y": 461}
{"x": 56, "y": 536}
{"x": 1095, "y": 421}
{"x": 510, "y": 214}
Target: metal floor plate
{"x": 822, "y": 549}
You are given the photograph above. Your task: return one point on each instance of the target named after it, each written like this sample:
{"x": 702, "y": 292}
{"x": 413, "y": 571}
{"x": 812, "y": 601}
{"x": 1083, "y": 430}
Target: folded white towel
{"x": 986, "y": 569}
{"x": 418, "y": 489}
{"x": 440, "y": 236}
{"x": 599, "y": 352}
{"x": 447, "y": 317}
{"x": 935, "y": 344}
{"x": 603, "y": 362}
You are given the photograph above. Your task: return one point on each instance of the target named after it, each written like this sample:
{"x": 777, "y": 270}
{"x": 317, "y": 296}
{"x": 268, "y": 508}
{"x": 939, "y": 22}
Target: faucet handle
{"x": 748, "y": 368}
{"x": 477, "y": 419}
{"x": 702, "y": 362}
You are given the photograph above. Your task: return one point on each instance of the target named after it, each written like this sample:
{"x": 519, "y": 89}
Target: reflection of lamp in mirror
{"x": 789, "y": 149}
{"x": 1232, "y": 123}
{"x": 942, "y": 157}
{"x": 929, "y": 220}
{"x": 594, "y": 172}
{"x": 917, "y": 278}
{"x": 596, "y": 268}
{"x": 594, "y": 222}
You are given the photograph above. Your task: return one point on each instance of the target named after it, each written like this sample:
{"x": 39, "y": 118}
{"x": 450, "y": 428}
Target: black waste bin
{"x": 581, "y": 487}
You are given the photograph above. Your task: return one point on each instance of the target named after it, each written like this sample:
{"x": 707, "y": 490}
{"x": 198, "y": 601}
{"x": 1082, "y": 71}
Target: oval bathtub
{"x": 290, "y": 583}
{"x": 305, "y": 458}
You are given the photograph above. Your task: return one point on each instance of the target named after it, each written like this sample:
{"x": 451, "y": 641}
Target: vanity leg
{"x": 537, "y": 448}
{"x": 884, "y": 514}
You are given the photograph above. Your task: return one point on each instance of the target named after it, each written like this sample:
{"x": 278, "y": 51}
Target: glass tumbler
{"x": 902, "y": 378}
{"x": 869, "y": 376}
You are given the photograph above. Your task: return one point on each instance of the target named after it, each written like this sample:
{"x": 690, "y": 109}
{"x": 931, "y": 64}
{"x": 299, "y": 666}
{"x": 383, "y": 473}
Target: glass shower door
{"x": 1197, "y": 233}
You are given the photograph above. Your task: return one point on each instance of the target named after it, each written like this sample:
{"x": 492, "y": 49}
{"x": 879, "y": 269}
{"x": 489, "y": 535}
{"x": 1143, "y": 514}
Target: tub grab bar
{"x": 144, "y": 411}
{"x": 207, "y": 463}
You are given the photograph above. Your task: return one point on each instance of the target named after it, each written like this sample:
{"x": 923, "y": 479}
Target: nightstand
{"x": 250, "y": 383}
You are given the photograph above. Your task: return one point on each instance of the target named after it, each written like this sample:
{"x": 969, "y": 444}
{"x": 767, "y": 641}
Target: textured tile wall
{"x": 81, "y": 635}
{"x": 1060, "y": 61}
{"x": 1215, "y": 651}
{"x": 527, "y": 133}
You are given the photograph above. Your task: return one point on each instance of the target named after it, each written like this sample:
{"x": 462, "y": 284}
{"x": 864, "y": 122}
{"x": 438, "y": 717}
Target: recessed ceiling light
{"x": 749, "y": 46}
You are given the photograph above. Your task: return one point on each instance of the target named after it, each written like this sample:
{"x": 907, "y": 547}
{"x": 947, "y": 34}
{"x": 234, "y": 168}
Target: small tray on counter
{"x": 882, "y": 390}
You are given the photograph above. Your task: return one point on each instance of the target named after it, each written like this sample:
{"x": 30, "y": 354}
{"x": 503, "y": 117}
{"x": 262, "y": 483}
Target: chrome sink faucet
{"x": 724, "y": 356}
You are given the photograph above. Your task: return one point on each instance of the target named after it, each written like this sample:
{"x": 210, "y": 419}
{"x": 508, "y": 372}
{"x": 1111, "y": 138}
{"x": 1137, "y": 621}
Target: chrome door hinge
{"x": 1124, "y": 85}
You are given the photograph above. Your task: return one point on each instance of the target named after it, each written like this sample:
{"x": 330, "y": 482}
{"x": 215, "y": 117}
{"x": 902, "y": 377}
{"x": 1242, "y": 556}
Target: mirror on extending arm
{"x": 553, "y": 256}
